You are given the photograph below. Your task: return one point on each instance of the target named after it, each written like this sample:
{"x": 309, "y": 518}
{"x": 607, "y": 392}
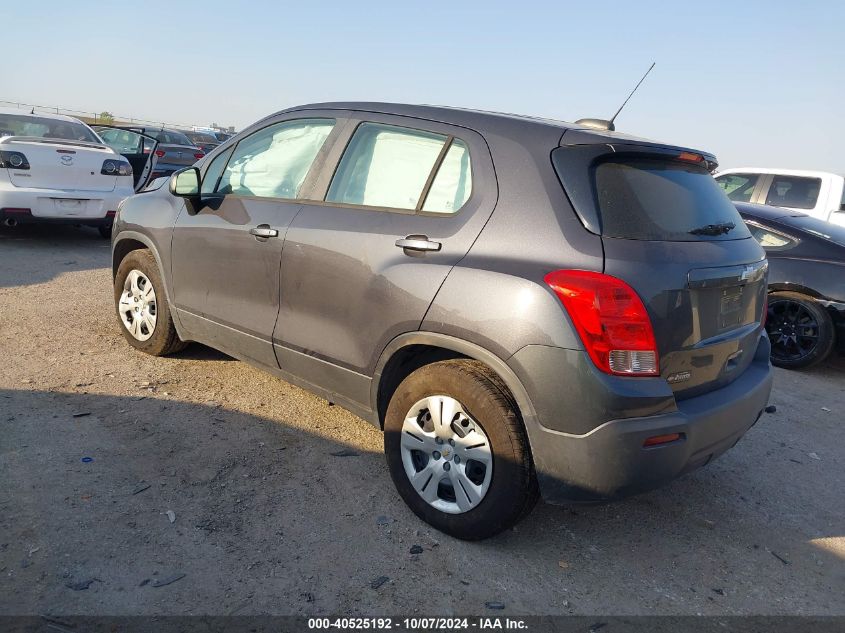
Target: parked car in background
{"x": 206, "y": 142}
{"x": 816, "y": 193}
{"x": 174, "y": 150}
{"x": 806, "y": 313}
{"x": 507, "y": 329}
{"x": 55, "y": 168}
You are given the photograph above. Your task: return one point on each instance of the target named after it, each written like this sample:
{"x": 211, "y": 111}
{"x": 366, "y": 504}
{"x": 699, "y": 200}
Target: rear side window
{"x": 273, "y": 162}
{"x": 771, "y": 240}
{"x": 738, "y": 187}
{"x": 654, "y": 199}
{"x": 453, "y": 183}
{"x": 394, "y": 167}
{"x": 795, "y": 192}
{"x": 385, "y": 166}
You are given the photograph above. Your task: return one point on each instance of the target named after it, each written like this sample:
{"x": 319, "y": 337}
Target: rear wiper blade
{"x": 714, "y": 229}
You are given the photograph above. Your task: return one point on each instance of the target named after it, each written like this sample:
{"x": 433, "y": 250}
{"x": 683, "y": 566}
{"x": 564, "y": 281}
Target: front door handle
{"x": 418, "y": 243}
{"x": 264, "y": 230}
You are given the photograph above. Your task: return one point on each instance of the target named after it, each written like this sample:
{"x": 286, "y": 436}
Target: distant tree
{"x": 105, "y": 118}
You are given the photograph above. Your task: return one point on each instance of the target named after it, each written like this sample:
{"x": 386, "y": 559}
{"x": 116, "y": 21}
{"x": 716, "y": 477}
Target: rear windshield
{"x": 170, "y": 138}
{"x": 653, "y": 199}
{"x": 44, "y": 127}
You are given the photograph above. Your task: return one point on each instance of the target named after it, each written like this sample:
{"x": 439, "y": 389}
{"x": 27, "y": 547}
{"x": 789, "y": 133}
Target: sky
{"x": 756, "y": 83}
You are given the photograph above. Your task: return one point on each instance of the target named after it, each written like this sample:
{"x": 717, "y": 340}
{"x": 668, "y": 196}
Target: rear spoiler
{"x": 51, "y": 141}
{"x": 615, "y": 140}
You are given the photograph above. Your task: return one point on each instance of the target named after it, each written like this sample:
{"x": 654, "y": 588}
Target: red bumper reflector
{"x": 14, "y": 210}
{"x": 111, "y": 214}
{"x": 662, "y": 439}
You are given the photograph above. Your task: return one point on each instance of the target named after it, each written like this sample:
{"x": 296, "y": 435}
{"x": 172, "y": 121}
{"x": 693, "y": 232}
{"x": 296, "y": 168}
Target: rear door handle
{"x": 418, "y": 243}
{"x": 264, "y": 230}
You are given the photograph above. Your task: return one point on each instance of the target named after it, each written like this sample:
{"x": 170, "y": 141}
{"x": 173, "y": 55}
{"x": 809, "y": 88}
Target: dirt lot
{"x": 268, "y": 520}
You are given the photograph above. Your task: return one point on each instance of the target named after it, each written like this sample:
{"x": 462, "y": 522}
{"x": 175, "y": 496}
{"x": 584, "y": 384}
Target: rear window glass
{"x": 647, "y": 199}
{"x": 45, "y": 127}
{"x": 794, "y": 192}
{"x": 170, "y": 138}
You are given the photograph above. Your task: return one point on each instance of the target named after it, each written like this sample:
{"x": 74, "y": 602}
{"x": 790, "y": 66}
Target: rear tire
{"x": 105, "y": 230}
{"x": 156, "y": 334}
{"x": 477, "y": 404}
{"x": 800, "y": 330}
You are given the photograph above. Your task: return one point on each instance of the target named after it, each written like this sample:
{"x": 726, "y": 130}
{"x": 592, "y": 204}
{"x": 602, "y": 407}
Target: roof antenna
{"x": 602, "y": 124}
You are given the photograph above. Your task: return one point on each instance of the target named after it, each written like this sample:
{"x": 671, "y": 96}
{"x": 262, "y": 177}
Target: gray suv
{"x": 525, "y": 307}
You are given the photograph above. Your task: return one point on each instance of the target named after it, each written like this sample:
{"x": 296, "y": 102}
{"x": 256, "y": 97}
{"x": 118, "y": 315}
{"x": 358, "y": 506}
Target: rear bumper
{"x": 24, "y": 216}
{"x": 26, "y": 206}
{"x": 611, "y": 462}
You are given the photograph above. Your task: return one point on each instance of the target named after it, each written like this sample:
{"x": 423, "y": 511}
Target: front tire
{"x": 457, "y": 451}
{"x": 800, "y": 330}
{"x": 141, "y": 304}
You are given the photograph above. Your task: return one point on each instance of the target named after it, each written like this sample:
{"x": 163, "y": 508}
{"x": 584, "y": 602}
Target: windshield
{"x": 44, "y": 127}
{"x": 654, "y": 199}
{"x": 170, "y": 137}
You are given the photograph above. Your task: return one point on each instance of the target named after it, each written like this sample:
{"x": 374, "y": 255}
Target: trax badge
{"x": 681, "y": 376}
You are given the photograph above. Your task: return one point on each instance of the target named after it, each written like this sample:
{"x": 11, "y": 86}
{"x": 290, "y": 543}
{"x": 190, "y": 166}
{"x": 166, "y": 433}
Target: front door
{"x": 137, "y": 148}
{"x": 226, "y": 254}
{"x": 362, "y": 266}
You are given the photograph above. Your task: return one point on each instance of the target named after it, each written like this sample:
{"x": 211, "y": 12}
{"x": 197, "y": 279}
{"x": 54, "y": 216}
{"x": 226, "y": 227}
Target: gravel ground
{"x": 98, "y": 443}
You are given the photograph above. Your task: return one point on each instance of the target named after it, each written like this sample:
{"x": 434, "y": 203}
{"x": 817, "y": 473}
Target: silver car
{"x": 525, "y": 307}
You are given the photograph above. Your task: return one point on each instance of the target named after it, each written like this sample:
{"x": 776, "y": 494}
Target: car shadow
{"x": 153, "y": 505}
{"x": 43, "y": 251}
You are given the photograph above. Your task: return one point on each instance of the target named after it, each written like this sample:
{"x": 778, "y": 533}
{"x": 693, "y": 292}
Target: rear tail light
{"x": 113, "y": 167}
{"x": 13, "y": 160}
{"x": 199, "y": 155}
{"x": 160, "y": 153}
{"x": 611, "y": 320}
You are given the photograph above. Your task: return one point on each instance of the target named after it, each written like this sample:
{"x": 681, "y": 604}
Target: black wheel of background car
{"x": 105, "y": 230}
{"x": 457, "y": 450}
{"x": 800, "y": 330}
{"x": 141, "y": 304}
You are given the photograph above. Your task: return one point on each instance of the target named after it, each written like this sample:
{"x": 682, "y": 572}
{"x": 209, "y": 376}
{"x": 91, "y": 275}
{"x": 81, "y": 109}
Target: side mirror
{"x": 186, "y": 183}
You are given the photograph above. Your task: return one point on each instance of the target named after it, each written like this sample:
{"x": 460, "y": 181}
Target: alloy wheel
{"x": 792, "y": 329}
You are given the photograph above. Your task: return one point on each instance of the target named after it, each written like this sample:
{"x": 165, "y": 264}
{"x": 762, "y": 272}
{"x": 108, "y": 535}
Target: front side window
{"x": 795, "y": 192}
{"x": 385, "y": 166}
{"x": 214, "y": 171}
{"x": 273, "y": 162}
{"x": 738, "y": 187}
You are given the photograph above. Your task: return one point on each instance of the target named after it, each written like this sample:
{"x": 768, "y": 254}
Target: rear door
{"x": 226, "y": 254}
{"x": 669, "y": 231}
{"x": 362, "y": 264}
{"x": 136, "y": 147}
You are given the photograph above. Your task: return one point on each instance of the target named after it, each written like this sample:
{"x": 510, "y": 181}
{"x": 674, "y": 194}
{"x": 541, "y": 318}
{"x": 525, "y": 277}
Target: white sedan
{"x": 55, "y": 168}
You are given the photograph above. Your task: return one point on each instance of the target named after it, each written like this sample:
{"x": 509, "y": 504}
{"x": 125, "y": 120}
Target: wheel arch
{"x": 790, "y": 287}
{"x": 409, "y": 352}
{"x": 129, "y": 241}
